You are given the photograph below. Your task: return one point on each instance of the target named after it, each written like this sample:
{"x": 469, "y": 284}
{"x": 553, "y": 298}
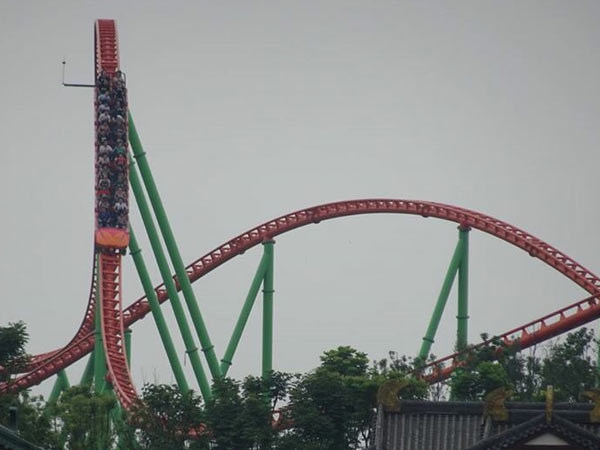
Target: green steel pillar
{"x": 62, "y": 376}
{"x": 128, "y": 345}
{"x": 55, "y": 392}
{"x": 88, "y": 373}
{"x": 462, "y": 328}
{"x": 159, "y": 318}
{"x": 598, "y": 363}
{"x": 169, "y": 238}
{"x": 244, "y": 314}
{"x": 165, "y": 272}
{"x": 434, "y": 322}
{"x": 267, "y": 340}
{"x": 99, "y": 357}
{"x": 61, "y": 384}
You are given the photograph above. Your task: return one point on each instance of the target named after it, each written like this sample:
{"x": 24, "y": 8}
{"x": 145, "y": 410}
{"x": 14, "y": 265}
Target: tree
{"x": 167, "y": 419}
{"x": 240, "y": 415}
{"x": 475, "y": 383}
{"x": 402, "y": 368}
{"x": 86, "y": 418}
{"x": 32, "y": 424}
{"x": 345, "y": 361}
{"x": 568, "y": 366}
{"x": 334, "y": 407}
{"x": 13, "y": 356}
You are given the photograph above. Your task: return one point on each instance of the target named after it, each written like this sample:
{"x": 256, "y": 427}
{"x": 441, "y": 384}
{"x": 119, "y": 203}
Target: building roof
{"x": 426, "y": 425}
{"x": 537, "y": 426}
{"x": 10, "y": 440}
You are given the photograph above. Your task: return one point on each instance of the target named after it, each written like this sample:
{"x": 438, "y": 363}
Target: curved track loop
{"x": 86, "y": 326}
{"x": 107, "y": 59}
{"x": 554, "y": 324}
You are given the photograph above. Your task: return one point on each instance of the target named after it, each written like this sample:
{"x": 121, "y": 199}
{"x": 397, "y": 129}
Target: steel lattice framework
{"x": 105, "y": 289}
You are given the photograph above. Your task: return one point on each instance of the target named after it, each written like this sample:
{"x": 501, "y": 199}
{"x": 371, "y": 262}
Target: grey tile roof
{"x": 558, "y": 426}
{"x": 11, "y": 441}
{"x": 424, "y": 425}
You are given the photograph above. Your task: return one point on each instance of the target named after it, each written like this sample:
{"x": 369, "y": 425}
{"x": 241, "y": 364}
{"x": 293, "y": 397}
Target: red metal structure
{"x": 109, "y": 235}
{"x": 535, "y": 332}
{"x": 105, "y": 292}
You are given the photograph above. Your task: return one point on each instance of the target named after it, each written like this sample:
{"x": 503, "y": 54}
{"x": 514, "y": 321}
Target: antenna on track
{"x": 64, "y": 65}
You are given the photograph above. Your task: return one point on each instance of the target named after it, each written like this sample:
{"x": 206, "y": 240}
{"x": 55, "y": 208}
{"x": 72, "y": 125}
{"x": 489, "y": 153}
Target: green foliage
{"x": 323, "y": 412}
{"x": 474, "y": 383}
{"x": 240, "y": 415}
{"x": 334, "y": 407}
{"x": 401, "y": 368}
{"x": 165, "y": 417}
{"x": 85, "y": 418}
{"x": 568, "y": 366}
{"x": 13, "y": 357}
{"x": 345, "y": 361}
{"x": 33, "y": 425}
{"x": 330, "y": 408}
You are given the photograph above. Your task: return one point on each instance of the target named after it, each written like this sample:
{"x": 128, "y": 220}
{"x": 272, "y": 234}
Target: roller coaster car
{"x": 112, "y": 238}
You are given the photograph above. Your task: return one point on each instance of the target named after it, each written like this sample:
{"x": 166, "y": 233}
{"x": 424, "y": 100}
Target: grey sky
{"x": 249, "y": 110}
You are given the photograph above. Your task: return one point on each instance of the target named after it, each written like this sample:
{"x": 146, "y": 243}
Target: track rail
{"x": 107, "y": 59}
{"x": 111, "y": 315}
{"x": 528, "y": 335}
{"x": 86, "y": 326}
{"x": 113, "y": 333}
{"x": 562, "y": 321}
{"x": 107, "y": 46}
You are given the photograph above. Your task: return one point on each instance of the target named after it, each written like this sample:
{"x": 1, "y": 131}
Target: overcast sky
{"x": 250, "y": 110}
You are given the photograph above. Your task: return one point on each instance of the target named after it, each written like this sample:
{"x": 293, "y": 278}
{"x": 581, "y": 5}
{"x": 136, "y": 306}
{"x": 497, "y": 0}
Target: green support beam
{"x": 159, "y": 318}
{"x": 169, "y": 238}
{"x": 267, "y": 356}
{"x": 244, "y": 314}
{"x": 99, "y": 357}
{"x": 88, "y": 373}
{"x": 165, "y": 272}
{"x": 61, "y": 384}
{"x": 462, "y": 327}
{"x": 434, "y": 322}
{"x": 128, "y": 345}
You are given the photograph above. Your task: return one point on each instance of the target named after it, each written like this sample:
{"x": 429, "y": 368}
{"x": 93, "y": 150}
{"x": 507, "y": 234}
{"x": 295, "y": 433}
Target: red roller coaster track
{"x": 532, "y": 333}
{"x": 106, "y": 274}
{"x": 109, "y": 260}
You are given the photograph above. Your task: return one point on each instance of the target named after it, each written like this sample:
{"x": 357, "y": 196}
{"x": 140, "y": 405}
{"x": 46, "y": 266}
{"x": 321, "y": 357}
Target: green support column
{"x": 244, "y": 314}
{"x": 267, "y": 362}
{"x": 598, "y": 363}
{"x": 597, "y": 384}
{"x": 169, "y": 238}
{"x": 165, "y": 272}
{"x": 128, "y": 345}
{"x": 99, "y": 357}
{"x": 434, "y": 322}
{"x": 88, "y": 373}
{"x": 62, "y": 376}
{"x": 159, "y": 318}
{"x": 61, "y": 384}
{"x": 462, "y": 327}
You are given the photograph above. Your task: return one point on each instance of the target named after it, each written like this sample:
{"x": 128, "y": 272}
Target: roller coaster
{"x": 104, "y": 331}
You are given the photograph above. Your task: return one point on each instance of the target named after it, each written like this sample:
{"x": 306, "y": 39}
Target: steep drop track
{"x": 109, "y": 260}
{"x": 113, "y": 333}
{"x": 551, "y": 325}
